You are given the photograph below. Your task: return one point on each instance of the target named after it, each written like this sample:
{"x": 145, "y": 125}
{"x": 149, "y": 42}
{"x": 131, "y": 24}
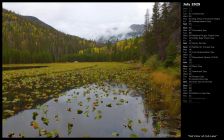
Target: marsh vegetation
{"x": 62, "y": 98}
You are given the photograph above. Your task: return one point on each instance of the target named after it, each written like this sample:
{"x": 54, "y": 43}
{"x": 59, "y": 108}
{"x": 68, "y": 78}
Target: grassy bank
{"x": 165, "y": 86}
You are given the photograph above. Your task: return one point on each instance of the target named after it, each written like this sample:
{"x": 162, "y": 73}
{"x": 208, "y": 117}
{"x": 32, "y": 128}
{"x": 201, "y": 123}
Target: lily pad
{"x": 144, "y": 130}
{"x": 56, "y": 117}
{"x": 69, "y": 109}
{"x": 94, "y": 108}
{"x": 70, "y": 126}
{"x": 68, "y": 101}
{"x": 121, "y": 100}
{"x": 56, "y": 99}
{"x": 34, "y": 124}
{"x": 109, "y": 105}
{"x": 45, "y": 120}
{"x": 35, "y": 114}
{"x": 115, "y": 134}
{"x": 80, "y": 103}
{"x": 133, "y": 135}
{"x": 130, "y": 124}
{"x": 139, "y": 121}
{"x": 88, "y": 99}
{"x": 42, "y": 132}
{"x": 52, "y": 134}
{"x": 21, "y": 135}
{"x": 95, "y": 103}
{"x": 98, "y": 116}
{"x": 11, "y": 134}
{"x": 86, "y": 113}
{"x": 79, "y": 111}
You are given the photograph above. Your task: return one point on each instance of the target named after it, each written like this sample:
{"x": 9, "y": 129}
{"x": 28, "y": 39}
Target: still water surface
{"x": 110, "y": 110}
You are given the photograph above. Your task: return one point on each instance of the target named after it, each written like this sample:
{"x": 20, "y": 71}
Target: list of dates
{"x": 199, "y": 53}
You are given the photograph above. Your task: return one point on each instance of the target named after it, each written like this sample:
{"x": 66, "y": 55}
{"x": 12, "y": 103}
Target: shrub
{"x": 153, "y": 62}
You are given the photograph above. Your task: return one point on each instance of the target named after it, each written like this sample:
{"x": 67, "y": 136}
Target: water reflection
{"x": 107, "y": 110}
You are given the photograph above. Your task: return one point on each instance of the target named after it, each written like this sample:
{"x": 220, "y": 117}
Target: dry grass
{"x": 165, "y": 80}
{"x": 169, "y": 86}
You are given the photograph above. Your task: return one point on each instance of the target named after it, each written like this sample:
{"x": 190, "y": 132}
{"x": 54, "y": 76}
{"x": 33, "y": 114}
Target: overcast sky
{"x": 84, "y": 19}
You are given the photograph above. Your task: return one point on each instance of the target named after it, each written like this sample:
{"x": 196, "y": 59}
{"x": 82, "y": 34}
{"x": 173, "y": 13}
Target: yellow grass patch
{"x": 165, "y": 80}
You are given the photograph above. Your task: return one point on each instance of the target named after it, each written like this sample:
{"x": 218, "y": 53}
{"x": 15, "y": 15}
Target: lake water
{"x": 107, "y": 110}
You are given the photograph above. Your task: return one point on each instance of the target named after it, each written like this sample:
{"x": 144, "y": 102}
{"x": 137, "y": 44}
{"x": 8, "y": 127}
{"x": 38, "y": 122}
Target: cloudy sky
{"x": 86, "y": 20}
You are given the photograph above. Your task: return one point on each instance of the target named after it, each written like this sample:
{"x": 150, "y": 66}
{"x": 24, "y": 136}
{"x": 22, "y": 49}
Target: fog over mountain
{"x": 116, "y": 33}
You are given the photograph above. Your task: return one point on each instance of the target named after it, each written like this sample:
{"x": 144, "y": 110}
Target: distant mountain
{"x": 113, "y": 35}
{"x": 138, "y": 29}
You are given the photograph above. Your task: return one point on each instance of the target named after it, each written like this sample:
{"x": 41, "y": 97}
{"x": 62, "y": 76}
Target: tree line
{"x": 25, "y": 41}
{"x": 162, "y": 34}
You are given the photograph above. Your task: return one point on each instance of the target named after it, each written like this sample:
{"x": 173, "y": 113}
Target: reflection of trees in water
{"x": 160, "y": 109}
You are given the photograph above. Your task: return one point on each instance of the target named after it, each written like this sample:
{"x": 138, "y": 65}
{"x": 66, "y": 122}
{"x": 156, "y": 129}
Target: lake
{"x": 108, "y": 110}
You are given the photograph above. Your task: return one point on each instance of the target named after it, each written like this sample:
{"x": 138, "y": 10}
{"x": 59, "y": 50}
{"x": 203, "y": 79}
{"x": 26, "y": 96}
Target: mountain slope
{"x": 26, "y": 39}
{"x": 36, "y": 20}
